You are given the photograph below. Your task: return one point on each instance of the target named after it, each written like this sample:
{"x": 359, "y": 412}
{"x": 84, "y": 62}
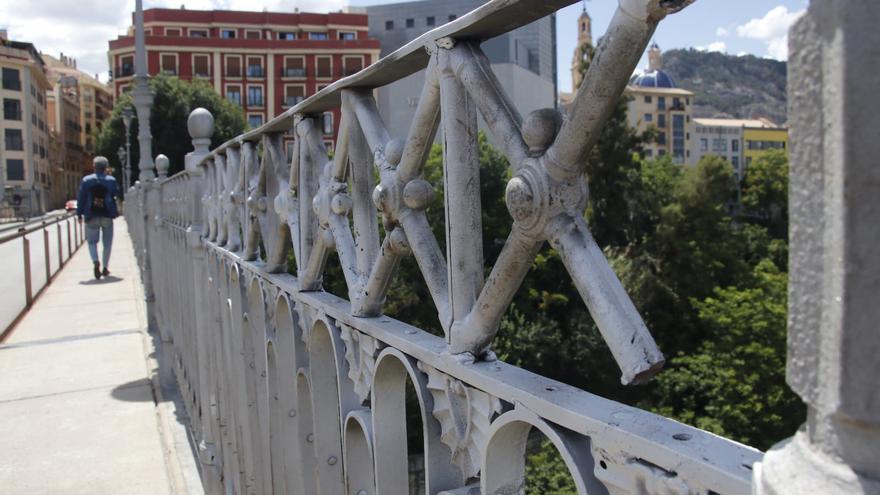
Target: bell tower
{"x": 581, "y": 54}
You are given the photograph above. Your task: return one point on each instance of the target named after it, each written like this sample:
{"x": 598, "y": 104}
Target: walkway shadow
{"x": 134, "y": 391}
{"x": 109, "y": 279}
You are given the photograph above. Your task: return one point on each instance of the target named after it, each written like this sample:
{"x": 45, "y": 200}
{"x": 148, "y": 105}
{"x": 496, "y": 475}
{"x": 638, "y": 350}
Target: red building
{"x": 264, "y": 61}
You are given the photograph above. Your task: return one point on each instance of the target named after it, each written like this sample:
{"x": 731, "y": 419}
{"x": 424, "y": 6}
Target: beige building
{"x": 656, "y": 103}
{"x": 95, "y": 101}
{"x": 24, "y": 155}
{"x": 65, "y": 129}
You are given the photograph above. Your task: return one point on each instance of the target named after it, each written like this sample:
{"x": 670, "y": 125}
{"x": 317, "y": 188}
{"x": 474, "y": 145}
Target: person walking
{"x": 96, "y": 202}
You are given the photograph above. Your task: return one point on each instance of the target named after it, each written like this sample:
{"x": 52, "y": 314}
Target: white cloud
{"x": 721, "y": 32}
{"x": 772, "y": 29}
{"x": 717, "y": 46}
{"x": 82, "y": 29}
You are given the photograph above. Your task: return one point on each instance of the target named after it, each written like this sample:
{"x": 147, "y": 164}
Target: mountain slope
{"x": 730, "y": 86}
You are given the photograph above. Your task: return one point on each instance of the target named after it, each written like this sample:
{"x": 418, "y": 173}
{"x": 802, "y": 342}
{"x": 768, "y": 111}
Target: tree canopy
{"x": 173, "y": 100}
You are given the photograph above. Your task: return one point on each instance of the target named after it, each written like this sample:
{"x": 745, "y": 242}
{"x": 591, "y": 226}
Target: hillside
{"x": 728, "y": 85}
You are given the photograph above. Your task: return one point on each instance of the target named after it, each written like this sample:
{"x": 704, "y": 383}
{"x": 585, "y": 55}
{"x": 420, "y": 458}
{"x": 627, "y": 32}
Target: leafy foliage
{"x": 173, "y": 100}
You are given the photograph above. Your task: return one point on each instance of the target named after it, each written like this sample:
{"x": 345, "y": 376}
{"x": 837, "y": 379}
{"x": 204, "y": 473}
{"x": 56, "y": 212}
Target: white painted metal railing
{"x": 293, "y": 390}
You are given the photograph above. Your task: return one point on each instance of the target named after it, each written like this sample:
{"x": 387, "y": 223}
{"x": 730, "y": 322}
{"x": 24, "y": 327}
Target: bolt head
{"x": 341, "y": 204}
{"x": 520, "y": 199}
{"x": 332, "y": 460}
{"x": 394, "y": 152}
{"x": 539, "y": 129}
{"x": 417, "y": 194}
{"x": 380, "y": 197}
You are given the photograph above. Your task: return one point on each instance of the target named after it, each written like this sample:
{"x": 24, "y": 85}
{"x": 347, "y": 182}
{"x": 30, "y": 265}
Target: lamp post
{"x": 120, "y": 152}
{"x": 143, "y": 98}
{"x": 127, "y": 115}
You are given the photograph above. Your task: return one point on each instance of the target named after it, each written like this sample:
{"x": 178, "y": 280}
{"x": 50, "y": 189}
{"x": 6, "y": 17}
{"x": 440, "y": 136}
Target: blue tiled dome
{"x": 653, "y": 79}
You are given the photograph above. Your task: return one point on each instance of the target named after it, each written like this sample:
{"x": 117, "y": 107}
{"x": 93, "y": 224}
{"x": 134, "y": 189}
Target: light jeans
{"x": 99, "y": 228}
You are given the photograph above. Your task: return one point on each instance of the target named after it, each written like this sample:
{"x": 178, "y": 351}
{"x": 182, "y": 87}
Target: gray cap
{"x": 100, "y": 163}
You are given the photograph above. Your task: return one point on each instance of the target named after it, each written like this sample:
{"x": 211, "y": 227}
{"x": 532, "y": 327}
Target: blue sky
{"x": 749, "y": 26}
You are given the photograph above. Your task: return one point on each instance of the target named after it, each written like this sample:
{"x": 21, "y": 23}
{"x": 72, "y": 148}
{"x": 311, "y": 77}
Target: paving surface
{"x": 78, "y": 411}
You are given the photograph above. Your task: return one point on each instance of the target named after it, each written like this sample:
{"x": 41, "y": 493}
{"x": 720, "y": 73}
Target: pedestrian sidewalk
{"x": 79, "y": 391}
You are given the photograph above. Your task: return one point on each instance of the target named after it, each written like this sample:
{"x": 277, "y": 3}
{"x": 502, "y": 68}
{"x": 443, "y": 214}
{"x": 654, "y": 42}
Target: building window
{"x": 661, "y": 138}
{"x": 649, "y": 153}
{"x": 347, "y": 35}
{"x": 704, "y": 144}
{"x": 661, "y": 121}
{"x": 294, "y": 94}
{"x": 648, "y": 98}
{"x": 323, "y": 67}
{"x": 430, "y": 21}
{"x": 294, "y": 67}
{"x": 255, "y": 120}
{"x": 352, "y": 65}
{"x": 169, "y": 63}
{"x": 198, "y": 33}
{"x": 735, "y": 162}
{"x": 319, "y": 36}
{"x": 719, "y": 145}
{"x": 227, "y": 34}
{"x": 14, "y": 169}
{"x": 734, "y": 145}
{"x": 11, "y": 79}
{"x": 172, "y": 32}
{"x": 389, "y": 25}
{"x": 649, "y": 117}
{"x": 290, "y": 147}
{"x": 201, "y": 65}
{"x": 253, "y": 34}
{"x": 255, "y": 67}
{"x": 127, "y": 67}
{"x": 233, "y": 94}
{"x": 676, "y": 104}
{"x": 328, "y": 123}
{"x": 13, "y": 140}
{"x": 233, "y": 66}
{"x": 11, "y": 109}
{"x": 286, "y": 36}
{"x": 255, "y": 96}
{"x": 678, "y": 151}
{"x": 410, "y": 23}
{"x": 661, "y": 103}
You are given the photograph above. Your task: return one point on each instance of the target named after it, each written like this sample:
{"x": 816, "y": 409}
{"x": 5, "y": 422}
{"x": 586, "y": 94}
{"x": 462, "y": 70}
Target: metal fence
{"x": 293, "y": 390}
{"x": 32, "y": 263}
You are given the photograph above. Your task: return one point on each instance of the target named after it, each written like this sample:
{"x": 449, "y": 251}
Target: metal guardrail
{"x": 74, "y": 238}
{"x": 293, "y": 390}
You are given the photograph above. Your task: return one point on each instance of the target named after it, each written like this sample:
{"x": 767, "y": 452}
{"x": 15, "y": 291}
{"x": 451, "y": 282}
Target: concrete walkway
{"x": 79, "y": 391}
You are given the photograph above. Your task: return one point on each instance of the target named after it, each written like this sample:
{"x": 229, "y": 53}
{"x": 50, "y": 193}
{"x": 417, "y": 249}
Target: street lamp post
{"x": 120, "y": 152}
{"x": 127, "y": 115}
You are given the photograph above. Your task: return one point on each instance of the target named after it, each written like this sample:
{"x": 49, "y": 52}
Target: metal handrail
{"x": 75, "y": 238}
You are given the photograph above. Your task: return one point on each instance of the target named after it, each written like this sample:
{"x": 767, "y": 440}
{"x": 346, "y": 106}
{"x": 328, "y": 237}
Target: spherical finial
{"x": 539, "y": 129}
{"x": 200, "y": 124}
{"x": 162, "y": 165}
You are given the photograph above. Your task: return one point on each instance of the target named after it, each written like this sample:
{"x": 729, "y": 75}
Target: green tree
{"x": 765, "y": 192}
{"x": 733, "y": 384}
{"x": 173, "y": 100}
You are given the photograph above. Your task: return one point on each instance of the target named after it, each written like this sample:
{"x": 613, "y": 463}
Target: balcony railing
{"x": 293, "y": 100}
{"x": 255, "y": 71}
{"x": 293, "y": 390}
{"x": 293, "y": 72}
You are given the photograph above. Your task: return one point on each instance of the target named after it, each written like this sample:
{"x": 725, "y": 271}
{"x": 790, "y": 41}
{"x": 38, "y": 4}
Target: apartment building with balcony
{"x": 94, "y": 98}
{"x": 266, "y": 62}
{"x": 24, "y": 151}
{"x": 67, "y": 164}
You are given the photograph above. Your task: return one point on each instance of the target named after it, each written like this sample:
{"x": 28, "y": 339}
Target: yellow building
{"x": 585, "y": 39}
{"x": 759, "y": 138}
{"x": 24, "y": 171}
{"x": 66, "y": 158}
{"x": 655, "y": 102}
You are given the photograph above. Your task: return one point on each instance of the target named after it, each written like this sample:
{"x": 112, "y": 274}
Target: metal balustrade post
{"x": 69, "y": 242}
{"x": 46, "y": 252}
{"x": 28, "y": 287}
{"x": 60, "y": 244}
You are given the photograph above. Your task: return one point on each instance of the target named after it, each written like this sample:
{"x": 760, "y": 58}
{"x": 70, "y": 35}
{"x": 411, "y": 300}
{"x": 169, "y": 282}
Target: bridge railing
{"x": 293, "y": 390}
